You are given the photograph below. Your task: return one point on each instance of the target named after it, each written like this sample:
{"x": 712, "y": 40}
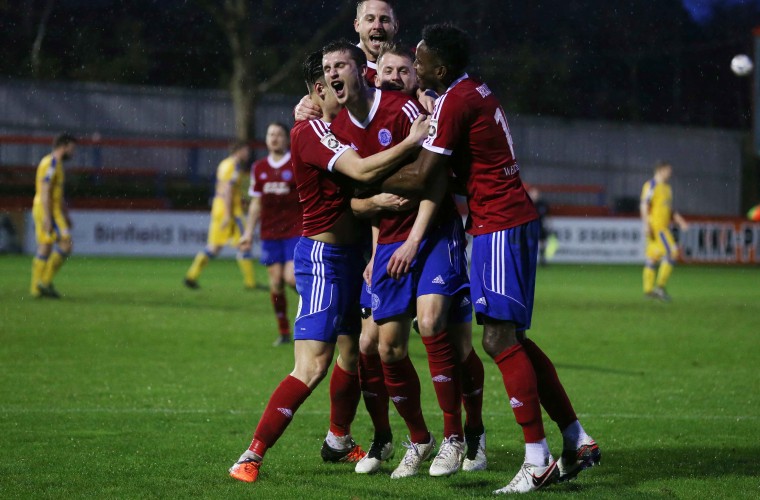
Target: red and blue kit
{"x": 469, "y": 125}
{"x": 440, "y": 266}
{"x": 328, "y": 277}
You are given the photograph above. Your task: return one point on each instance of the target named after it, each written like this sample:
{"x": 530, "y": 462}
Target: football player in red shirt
{"x": 371, "y": 121}
{"x": 274, "y": 204}
{"x": 469, "y": 133}
{"x": 328, "y": 263}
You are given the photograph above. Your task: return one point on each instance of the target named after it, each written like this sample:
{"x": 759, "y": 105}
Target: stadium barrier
{"x": 581, "y": 240}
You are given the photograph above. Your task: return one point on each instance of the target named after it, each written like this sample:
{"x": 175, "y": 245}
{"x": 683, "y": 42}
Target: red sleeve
{"x": 319, "y": 147}
{"x": 446, "y": 125}
{"x": 256, "y": 187}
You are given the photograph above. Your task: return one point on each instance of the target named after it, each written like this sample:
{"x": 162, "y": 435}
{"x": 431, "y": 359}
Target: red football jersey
{"x": 324, "y": 198}
{"x": 469, "y": 124}
{"x": 371, "y": 72}
{"x": 275, "y": 183}
{"x": 388, "y": 124}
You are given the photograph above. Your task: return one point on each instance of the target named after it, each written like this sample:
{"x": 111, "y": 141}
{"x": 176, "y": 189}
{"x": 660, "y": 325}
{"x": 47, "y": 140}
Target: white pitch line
{"x": 198, "y": 411}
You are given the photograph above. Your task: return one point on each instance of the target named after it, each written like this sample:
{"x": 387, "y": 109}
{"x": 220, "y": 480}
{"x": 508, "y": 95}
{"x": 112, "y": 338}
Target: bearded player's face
{"x": 376, "y": 24}
{"x": 425, "y": 64}
{"x": 395, "y": 72}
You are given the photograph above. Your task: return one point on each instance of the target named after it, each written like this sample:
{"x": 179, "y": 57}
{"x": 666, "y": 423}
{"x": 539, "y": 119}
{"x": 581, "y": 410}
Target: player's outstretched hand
{"x": 307, "y": 110}
{"x": 419, "y": 131}
{"x": 391, "y": 202}
{"x": 401, "y": 260}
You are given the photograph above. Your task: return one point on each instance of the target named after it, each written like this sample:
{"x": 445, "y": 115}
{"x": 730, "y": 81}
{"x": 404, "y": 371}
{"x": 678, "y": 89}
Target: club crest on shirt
{"x": 287, "y": 175}
{"x": 384, "y": 136}
{"x": 263, "y": 176}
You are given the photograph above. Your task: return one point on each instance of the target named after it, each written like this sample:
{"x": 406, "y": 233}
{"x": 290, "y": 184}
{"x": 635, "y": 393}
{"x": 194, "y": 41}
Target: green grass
{"x": 132, "y": 386}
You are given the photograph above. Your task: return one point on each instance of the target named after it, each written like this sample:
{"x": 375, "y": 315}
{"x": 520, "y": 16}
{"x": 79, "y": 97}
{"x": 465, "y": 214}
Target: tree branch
{"x": 313, "y": 44}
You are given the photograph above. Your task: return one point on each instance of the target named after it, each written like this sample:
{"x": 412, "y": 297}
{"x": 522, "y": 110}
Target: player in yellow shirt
{"x": 51, "y": 221}
{"x": 656, "y": 210}
{"x": 226, "y": 217}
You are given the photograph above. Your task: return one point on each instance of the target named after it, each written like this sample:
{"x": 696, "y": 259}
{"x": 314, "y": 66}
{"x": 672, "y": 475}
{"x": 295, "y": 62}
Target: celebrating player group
{"x": 381, "y": 142}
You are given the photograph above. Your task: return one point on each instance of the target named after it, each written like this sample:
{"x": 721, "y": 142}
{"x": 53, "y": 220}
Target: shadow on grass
{"x": 627, "y": 469}
{"x": 599, "y": 369}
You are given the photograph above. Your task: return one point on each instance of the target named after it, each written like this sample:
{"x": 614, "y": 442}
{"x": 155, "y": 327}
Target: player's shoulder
{"x": 400, "y": 99}
{"x": 316, "y": 128}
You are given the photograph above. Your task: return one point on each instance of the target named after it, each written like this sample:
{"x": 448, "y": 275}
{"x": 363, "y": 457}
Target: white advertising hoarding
{"x": 138, "y": 233}
{"x": 602, "y": 240}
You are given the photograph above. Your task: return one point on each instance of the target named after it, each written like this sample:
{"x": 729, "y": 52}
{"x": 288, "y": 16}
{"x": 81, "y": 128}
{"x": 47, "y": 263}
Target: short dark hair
{"x": 397, "y": 49}
{"x": 360, "y": 3}
{"x": 237, "y": 145}
{"x": 312, "y": 69}
{"x": 281, "y": 125}
{"x": 64, "y": 139}
{"x": 450, "y": 44}
{"x": 343, "y": 45}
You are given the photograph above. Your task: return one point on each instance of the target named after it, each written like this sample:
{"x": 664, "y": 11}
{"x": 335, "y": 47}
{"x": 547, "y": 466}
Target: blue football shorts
{"x": 328, "y": 282}
{"x": 278, "y": 251}
{"x": 504, "y": 274}
{"x": 439, "y": 268}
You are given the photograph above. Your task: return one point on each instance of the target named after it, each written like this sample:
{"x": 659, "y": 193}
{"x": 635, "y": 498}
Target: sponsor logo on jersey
{"x": 276, "y": 188}
{"x": 483, "y": 90}
{"x": 515, "y": 403}
{"x": 286, "y": 411}
{"x": 433, "y": 127}
{"x": 441, "y": 379}
{"x": 331, "y": 143}
{"x": 512, "y": 170}
{"x": 263, "y": 176}
{"x": 385, "y": 137}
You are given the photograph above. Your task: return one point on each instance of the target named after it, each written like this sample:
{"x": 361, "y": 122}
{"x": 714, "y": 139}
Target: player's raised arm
{"x": 375, "y": 167}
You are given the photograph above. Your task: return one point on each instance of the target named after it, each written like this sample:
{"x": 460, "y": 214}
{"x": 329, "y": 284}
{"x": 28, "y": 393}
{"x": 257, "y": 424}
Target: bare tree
{"x": 249, "y": 82}
{"x": 41, "y": 29}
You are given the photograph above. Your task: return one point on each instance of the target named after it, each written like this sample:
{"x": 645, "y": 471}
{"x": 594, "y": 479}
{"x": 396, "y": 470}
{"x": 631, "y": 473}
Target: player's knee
{"x": 391, "y": 352}
{"x": 497, "y": 337}
{"x": 368, "y": 344}
{"x": 430, "y": 323}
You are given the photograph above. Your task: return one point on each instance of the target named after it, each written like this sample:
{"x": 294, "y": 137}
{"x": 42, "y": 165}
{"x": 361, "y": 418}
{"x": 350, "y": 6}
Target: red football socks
{"x": 403, "y": 386}
{"x": 472, "y": 391}
{"x": 374, "y": 391}
{"x": 280, "y": 305}
{"x": 520, "y": 382}
{"x": 445, "y": 373}
{"x": 344, "y": 399}
{"x": 553, "y": 396}
{"x": 283, "y": 403}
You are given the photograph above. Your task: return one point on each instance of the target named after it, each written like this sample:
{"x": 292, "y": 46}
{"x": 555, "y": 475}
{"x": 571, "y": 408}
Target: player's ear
{"x": 377, "y": 80}
{"x": 319, "y": 88}
{"x": 441, "y": 72}
{"x": 356, "y": 25}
